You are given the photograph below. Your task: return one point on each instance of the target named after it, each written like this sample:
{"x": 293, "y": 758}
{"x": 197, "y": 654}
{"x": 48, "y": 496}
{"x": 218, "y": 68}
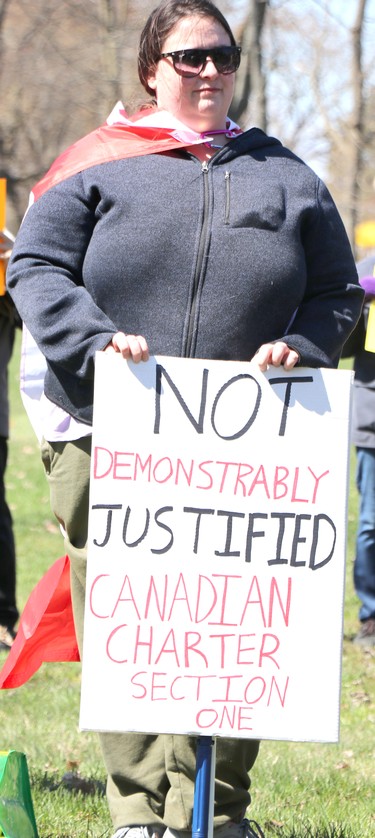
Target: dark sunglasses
{"x": 190, "y": 62}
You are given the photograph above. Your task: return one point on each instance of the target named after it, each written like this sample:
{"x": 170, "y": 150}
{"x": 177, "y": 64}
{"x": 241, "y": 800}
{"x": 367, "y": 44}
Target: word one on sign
{"x": 216, "y": 558}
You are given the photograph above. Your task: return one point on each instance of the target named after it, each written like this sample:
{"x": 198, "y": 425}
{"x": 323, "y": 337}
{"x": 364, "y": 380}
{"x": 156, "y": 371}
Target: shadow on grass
{"x": 308, "y": 831}
{"x": 70, "y": 781}
{"x": 73, "y": 783}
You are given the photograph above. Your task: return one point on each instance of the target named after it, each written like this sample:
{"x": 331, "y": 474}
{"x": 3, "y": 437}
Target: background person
{"x": 363, "y": 437}
{"x": 202, "y": 241}
{"x": 8, "y": 608}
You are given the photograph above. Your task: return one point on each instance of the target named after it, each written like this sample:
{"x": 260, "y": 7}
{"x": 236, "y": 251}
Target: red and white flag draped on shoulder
{"x": 148, "y": 132}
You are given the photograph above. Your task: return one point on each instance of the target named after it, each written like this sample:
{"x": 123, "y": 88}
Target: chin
{"x": 211, "y": 121}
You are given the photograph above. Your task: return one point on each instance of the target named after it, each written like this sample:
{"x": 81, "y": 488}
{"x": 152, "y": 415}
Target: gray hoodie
{"x": 205, "y": 261}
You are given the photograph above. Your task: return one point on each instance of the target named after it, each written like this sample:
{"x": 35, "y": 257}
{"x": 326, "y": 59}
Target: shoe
{"x": 366, "y": 634}
{"x": 7, "y": 636}
{"x": 243, "y": 829}
{"x": 139, "y": 832}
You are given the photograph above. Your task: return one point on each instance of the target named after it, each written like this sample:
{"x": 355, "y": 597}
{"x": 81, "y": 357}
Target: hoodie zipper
{"x": 227, "y": 197}
{"x": 198, "y": 273}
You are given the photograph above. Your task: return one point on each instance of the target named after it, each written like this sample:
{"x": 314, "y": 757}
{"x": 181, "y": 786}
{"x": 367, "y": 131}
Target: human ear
{"x": 151, "y": 81}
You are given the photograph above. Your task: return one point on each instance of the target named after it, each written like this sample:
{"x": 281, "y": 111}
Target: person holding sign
{"x": 173, "y": 232}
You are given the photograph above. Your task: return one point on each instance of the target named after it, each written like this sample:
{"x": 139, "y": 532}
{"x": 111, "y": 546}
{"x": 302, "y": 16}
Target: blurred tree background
{"x": 307, "y": 76}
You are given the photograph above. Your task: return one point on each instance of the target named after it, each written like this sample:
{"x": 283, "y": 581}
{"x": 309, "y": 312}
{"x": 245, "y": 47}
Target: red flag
{"x": 46, "y": 629}
{"x": 107, "y": 143}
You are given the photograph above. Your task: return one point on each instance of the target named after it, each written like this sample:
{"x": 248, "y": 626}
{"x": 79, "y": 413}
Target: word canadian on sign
{"x": 217, "y": 539}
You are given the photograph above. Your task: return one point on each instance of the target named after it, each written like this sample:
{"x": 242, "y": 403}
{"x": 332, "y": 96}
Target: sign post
{"x": 204, "y": 791}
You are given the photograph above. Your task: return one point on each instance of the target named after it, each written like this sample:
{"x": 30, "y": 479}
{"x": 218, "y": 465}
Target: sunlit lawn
{"x": 319, "y": 791}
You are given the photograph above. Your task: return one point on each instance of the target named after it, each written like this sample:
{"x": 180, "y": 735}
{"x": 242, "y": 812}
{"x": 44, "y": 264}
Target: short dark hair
{"x": 161, "y": 22}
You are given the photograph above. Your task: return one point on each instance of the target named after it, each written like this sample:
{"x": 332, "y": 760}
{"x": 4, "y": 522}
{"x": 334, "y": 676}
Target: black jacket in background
{"x": 363, "y": 416}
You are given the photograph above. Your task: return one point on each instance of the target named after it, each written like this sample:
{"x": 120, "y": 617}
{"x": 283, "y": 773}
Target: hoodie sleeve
{"x": 333, "y": 299}
{"x": 44, "y": 278}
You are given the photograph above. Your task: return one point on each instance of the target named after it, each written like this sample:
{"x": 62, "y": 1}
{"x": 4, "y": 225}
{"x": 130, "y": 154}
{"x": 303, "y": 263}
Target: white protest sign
{"x": 217, "y": 541}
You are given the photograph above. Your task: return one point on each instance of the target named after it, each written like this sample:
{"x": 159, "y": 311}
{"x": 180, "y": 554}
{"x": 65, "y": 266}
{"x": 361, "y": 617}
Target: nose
{"x": 209, "y": 68}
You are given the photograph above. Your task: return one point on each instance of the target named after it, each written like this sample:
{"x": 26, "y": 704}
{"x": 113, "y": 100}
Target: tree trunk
{"x": 249, "y": 103}
{"x": 357, "y": 120}
{"x": 110, "y": 51}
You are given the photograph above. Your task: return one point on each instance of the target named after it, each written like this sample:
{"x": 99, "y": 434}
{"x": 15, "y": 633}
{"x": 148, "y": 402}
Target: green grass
{"x": 299, "y": 790}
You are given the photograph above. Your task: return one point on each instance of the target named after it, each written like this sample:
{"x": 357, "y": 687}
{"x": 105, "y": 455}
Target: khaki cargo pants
{"x": 150, "y": 777}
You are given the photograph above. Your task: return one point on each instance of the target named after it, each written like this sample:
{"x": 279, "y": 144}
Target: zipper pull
{"x": 205, "y": 166}
{"x": 227, "y": 197}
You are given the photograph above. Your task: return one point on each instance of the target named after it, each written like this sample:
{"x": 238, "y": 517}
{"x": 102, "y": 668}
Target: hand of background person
{"x": 131, "y": 347}
{"x": 276, "y": 354}
{"x": 368, "y": 285}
